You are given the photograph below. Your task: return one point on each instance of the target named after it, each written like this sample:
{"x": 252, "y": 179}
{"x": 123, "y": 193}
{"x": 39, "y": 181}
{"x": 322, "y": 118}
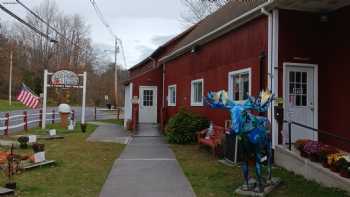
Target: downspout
{"x": 270, "y": 67}
{"x": 163, "y": 100}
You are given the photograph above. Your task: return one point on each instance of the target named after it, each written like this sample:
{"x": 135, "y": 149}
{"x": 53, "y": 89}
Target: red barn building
{"x": 295, "y": 48}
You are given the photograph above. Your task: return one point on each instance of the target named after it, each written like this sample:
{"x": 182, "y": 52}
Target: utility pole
{"x": 10, "y": 78}
{"x": 116, "y": 50}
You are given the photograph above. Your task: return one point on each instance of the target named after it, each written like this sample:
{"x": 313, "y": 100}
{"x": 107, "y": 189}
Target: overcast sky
{"x": 143, "y": 25}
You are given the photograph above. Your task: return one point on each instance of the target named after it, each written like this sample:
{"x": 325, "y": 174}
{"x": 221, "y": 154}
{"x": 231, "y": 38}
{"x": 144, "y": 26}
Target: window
{"x": 197, "y": 92}
{"x": 147, "y": 98}
{"x": 298, "y": 88}
{"x": 172, "y": 95}
{"x": 240, "y": 84}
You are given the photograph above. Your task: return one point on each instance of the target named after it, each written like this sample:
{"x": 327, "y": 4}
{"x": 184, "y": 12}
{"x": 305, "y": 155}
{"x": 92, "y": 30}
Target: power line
{"x": 47, "y": 23}
{"x": 27, "y": 24}
{"x": 108, "y": 27}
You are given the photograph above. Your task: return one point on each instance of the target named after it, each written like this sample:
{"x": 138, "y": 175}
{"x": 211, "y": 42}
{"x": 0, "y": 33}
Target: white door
{"x": 148, "y": 104}
{"x": 300, "y": 100}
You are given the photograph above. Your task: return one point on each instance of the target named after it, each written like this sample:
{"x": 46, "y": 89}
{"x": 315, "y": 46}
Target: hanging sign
{"x": 64, "y": 78}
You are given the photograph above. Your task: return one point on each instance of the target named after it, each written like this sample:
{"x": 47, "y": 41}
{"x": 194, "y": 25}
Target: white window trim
{"x": 230, "y": 80}
{"x": 169, "y": 103}
{"x": 197, "y": 104}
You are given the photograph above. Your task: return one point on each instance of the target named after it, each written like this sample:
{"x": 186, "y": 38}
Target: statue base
{"x": 268, "y": 187}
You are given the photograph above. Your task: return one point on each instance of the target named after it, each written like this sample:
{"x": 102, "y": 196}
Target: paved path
{"x": 107, "y": 132}
{"x": 147, "y": 168}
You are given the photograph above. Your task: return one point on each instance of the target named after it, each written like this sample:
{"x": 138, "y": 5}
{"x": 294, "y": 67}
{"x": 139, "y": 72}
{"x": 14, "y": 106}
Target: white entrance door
{"x": 300, "y": 100}
{"x": 148, "y": 104}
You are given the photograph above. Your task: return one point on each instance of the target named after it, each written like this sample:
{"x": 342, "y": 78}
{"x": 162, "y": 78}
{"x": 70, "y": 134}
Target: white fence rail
{"x": 103, "y": 113}
{"x": 9, "y": 122}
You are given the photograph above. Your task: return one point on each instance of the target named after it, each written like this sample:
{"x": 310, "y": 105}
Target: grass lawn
{"x": 209, "y": 178}
{"x": 81, "y": 170}
{"x": 4, "y": 105}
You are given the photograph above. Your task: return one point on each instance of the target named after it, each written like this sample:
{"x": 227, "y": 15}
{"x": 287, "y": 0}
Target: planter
{"x": 38, "y": 147}
{"x": 11, "y": 185}
{"x": 325, "y": 164}
{"x": 334, "y": 169}
{"x": 344, "y": 173}
{"x": 304, "y": 154}
{"x": 83, "y": 127}
{"x": 314, "y": 158}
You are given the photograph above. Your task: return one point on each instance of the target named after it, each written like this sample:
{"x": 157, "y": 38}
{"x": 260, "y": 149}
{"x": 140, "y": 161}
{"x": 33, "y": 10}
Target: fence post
{"x": 118, "y": 113}
{"x": 73, "y": 116}
{"x": 290, "y": 135}
{"x": 7, "y": 122}
{"x": 40, "y": 117}
{"x": 25, "y": 120}
{"x": 95, "y": 113}
{"x": 53, "y": 117}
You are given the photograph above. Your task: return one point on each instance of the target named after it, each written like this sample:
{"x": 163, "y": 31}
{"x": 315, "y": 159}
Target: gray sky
{"x": 143, "y": 25}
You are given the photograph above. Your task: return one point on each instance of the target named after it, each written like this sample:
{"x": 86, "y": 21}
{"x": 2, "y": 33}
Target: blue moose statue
{"x": 253, "y": 132}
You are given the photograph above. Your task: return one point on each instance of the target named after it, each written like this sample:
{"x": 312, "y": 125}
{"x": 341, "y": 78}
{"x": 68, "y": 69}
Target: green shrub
{"x": 182, "y": 128}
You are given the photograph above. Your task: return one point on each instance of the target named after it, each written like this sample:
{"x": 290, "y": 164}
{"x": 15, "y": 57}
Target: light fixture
{"x": 194, "y": 49}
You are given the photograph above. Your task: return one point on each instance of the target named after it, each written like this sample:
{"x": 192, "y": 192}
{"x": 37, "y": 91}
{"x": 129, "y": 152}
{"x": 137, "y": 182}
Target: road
{"x": 89, "y": 116}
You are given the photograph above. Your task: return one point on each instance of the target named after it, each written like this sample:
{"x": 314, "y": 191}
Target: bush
{"x": 182, "y": 128}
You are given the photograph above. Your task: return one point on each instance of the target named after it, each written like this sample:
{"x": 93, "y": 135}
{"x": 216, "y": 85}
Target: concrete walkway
{"x": 147, "y": 168}
{"x": 107, "y": 132}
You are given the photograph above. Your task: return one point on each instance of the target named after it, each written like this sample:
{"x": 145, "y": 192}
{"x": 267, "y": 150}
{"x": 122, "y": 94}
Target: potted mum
{"x": 23, "y": 142}
{"x": 299, "y": 145}
{"x": 324, "y": 153}
{"x": 312, "y": 149}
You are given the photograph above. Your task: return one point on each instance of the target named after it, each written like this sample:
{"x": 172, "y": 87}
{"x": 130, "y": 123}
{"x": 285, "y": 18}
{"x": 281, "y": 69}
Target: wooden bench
{"x": 214, "y": 140}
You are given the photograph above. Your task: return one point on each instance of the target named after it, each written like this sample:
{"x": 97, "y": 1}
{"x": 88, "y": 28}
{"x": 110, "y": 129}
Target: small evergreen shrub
{"x": 182, "y": 128}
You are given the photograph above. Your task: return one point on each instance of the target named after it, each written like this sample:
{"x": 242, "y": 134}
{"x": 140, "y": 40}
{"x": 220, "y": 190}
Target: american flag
{"x": 28, "y": 98}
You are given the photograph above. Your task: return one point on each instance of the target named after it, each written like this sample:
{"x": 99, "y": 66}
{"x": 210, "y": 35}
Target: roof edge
{"x": 160, "y": 48}
{"x": 184, "y": 49}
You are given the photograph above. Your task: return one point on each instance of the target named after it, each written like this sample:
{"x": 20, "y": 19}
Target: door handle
{"x": 311, "y": 107}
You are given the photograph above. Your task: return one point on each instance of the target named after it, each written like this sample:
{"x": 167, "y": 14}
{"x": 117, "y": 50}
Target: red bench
{"x": 214, "y": 140}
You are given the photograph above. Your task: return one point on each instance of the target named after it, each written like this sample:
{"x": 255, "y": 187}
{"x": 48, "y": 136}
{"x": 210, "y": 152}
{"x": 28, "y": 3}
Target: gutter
{"x": 235, "y": 20}
{"x": 271, "y": 81}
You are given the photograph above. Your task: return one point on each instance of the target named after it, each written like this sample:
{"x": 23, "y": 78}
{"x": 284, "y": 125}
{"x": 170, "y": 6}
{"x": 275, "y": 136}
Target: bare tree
{"x": 197, "y": 10}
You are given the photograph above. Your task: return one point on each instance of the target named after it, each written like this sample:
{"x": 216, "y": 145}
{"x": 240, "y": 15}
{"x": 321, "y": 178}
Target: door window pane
{"x": 148, "y": 98}
{"x": 298, "y": 87}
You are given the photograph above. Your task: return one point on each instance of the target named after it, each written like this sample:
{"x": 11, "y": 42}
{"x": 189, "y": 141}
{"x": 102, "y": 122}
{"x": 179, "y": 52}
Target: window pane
{"x": 292, "y": 76}
{"x": 197, "y": 92}
{"x": 241, "y": 85}
{"x": 304, "y": 77}
{"x": 245, "y": 89}
{"x": 298, "y": 100}
{"x": 298, "y": 77}
{"x": 304, "y": 98}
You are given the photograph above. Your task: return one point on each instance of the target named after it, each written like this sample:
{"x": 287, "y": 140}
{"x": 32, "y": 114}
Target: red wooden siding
{"x": 327, "y": 44}
{"x": 236, "y": 50}
{"x": 150, "y": 78}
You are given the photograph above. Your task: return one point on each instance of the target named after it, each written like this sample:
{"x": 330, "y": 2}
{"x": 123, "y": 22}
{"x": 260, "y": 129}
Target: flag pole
{"x": 10, "y": 78}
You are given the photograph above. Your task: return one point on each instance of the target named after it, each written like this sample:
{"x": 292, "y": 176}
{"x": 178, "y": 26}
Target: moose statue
{"x": 253, "y": 132}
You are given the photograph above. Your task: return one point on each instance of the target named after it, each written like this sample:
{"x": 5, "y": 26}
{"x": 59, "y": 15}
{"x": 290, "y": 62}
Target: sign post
{"x": 43, "y": 121}
{"x": 64, "y": 79}
{"x": 84, "y": 99}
